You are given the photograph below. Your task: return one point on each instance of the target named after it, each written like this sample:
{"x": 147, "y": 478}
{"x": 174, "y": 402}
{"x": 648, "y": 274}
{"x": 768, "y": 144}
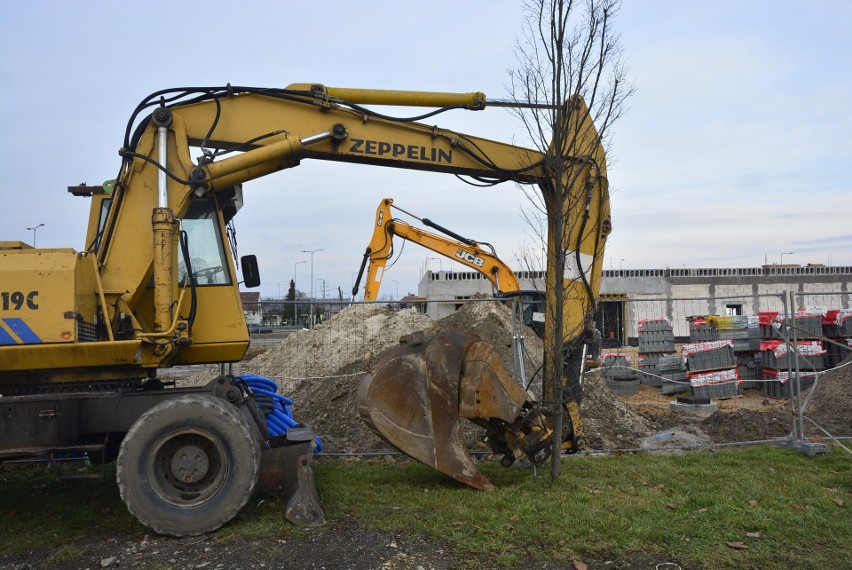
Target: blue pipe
{"x": 279, "y": 416}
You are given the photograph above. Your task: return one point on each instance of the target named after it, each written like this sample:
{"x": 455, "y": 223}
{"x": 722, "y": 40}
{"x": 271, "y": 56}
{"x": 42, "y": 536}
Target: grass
{"x": 786, "y": 509}
{"x": 682, "y": 508}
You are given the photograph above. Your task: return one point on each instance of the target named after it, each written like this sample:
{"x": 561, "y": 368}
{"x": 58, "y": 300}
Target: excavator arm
{"x": 244, "y": 133}
{"x": 465, "y": 251}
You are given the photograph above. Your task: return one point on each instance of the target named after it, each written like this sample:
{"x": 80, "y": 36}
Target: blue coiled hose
{"x": 276, "y": 407}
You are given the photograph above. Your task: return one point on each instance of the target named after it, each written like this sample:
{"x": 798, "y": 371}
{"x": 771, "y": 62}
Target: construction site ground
{"x": 320, "y": 370}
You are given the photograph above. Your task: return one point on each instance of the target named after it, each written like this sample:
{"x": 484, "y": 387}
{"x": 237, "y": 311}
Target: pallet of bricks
{"x": 779, "y": 356}
{"x": 618, "y": 374}
{"x": 744, "y": 332}
{"x": 674, "y": 375}
{"x": 712, "y": 369}
{"x": 656, "y": 341}
{"x": 837, "y": 329}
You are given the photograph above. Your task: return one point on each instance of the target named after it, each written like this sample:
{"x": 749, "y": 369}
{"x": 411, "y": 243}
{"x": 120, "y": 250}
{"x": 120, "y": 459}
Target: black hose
{"x": 193, "y": 294}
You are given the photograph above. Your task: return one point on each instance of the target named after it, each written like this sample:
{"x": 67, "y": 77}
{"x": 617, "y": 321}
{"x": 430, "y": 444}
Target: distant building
{"x": 629, "y": 295}
{"x": 252, "y": 308}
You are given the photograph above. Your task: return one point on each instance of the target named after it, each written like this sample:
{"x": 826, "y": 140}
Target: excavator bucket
{"x": 415, "y": 393}
{"x": 285, "y": 473}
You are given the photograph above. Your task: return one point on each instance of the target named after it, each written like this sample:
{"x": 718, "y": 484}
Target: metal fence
{"x": 364, "y": 328}
{"x": 774, "y": 345}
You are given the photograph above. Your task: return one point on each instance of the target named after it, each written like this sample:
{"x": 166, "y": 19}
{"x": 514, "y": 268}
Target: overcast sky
{"x": 735, "y": 148}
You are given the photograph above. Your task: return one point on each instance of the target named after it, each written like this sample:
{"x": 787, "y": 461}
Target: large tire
{"x": 188, "y": 465}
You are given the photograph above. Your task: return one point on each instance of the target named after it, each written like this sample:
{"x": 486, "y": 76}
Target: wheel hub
{"x": 190, "y": 464}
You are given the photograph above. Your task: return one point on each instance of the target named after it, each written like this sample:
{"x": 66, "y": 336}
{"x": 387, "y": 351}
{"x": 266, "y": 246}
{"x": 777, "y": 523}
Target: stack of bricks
{"x": 745, "y": 335}
{"x": 712, "y": 369}
{"x": 777, "y": 360}
{"x": 780, "y": 386}
{"x": 837, "y": 328}
{"x": 805, "y": 325}
{"x": 746, "y": 341}
{"x": 700, "y": 330}
{"x": 656, "y": 339}
{"x": 673, "y": 370}
{"x": 733, "y": 328}
{"x": 618, "y": 374}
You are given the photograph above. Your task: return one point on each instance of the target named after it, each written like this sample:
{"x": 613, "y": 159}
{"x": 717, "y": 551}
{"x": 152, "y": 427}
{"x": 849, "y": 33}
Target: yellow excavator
{"x": 466, "y": 251}
{"x": 85, "y": 334}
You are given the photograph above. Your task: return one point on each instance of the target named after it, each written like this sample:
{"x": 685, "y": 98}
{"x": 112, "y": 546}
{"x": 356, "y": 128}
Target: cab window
{"x": 206, "y": 253}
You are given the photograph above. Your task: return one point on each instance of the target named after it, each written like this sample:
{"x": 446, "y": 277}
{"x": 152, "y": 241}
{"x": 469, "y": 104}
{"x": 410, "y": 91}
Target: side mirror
{"x": 251, "y": 274}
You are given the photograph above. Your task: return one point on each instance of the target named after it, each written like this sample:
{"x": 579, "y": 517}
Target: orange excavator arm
{"x": 466, "y": 251}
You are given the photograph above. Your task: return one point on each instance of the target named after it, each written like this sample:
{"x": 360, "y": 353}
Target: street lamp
{"x": 786, "y": 253}
{"x": 34, "y": 232}
{"x": 312, "y": 251}
{"x": 296, "y": 294}
{"x": 440, "y": 266}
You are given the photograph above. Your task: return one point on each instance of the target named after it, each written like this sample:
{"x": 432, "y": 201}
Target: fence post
{"x": 796, "y": 440}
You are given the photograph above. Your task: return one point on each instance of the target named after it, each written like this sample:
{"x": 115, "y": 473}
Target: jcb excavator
{"x": 455, "y": 247}
{"x": 84, "y": 334}
{"x": 466, "y": 251}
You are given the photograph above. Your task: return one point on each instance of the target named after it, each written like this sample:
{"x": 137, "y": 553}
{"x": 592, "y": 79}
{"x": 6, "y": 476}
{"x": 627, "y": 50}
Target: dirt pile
{"x": 748, "y": 425}
{"x": 321, "y": 369}
{"x": 610, "y": 423}
{"x": 348, "y": 339}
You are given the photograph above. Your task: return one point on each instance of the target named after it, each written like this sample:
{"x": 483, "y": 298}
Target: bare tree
{"x": 569, "y": 63}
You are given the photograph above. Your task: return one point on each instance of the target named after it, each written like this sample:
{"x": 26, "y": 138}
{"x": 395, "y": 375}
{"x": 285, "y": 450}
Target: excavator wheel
{"x": 188, "y": 465}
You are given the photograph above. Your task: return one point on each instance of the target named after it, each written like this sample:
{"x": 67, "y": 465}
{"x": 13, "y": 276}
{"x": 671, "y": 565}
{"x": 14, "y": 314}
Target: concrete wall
{"x": 674, "y": 293}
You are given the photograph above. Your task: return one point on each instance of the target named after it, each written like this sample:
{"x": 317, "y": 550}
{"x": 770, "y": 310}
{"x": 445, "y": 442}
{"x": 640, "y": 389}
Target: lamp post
{"x": 786, "y": 253}
{"x": 34, "y": 232}
{"x": 296, "y": 294}
{"x": 440, "y": 266}
{"x": 312, "y": 251}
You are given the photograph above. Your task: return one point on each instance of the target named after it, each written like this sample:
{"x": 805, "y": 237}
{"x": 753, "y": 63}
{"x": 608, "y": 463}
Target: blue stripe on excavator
{"x": 6, "y": 338}
{"x": 21, "y": 329}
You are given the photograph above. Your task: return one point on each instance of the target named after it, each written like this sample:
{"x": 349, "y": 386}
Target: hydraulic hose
{"x": 276, "y": 408}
